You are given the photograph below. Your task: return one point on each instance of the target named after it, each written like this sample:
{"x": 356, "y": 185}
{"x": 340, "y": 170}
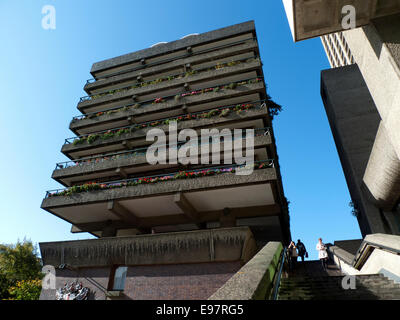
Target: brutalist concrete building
{"x": 167, "y": 231}
{"x": 361, "y": 94}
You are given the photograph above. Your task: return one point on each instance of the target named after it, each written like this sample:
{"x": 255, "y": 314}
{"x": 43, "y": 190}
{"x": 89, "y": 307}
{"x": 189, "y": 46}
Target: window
{"x": 119, "y": 278}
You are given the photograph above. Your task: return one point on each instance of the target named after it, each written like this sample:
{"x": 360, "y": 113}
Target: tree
{"x": 26, "y": 290}
{"x": 18, "y": 263}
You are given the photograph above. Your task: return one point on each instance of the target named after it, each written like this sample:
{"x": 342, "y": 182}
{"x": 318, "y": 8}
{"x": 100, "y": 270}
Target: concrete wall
{"x": 254, "y": 281}
{"x": 354, "y": 122}
{"x": 376, "y": 49}
{"x": 384, "y": 262}
{"x": 378, "y": 253}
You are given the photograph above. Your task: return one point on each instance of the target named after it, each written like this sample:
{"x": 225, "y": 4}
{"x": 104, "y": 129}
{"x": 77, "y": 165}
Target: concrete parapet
{"x": 215, "y": 245}
{"x": 175, "y": 45}
{"x": 254, "y": 281}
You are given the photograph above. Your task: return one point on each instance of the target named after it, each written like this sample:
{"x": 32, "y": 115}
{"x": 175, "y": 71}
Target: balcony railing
{"x": 133, "y": 153}
{"x": 136, "y": 105}
{"x": 147, "y": 65}
{"x": 188, "y": 174}
{"x": 179, "y": 75}
{"x": 220, "y": 111}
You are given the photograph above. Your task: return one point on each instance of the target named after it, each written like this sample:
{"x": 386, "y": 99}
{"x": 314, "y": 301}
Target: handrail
{"x": 119, "y": 183}
{"x": 168, "y": 60}
{"x": 133, "y": 152}
{"x": 69, "y": 140}
{"x": 279, "y": 274}
{"x": 167, "y": 78}
{"x": 87, "y": 115}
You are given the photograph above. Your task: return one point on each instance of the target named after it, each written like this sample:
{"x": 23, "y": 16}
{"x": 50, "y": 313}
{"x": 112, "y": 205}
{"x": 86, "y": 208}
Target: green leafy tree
{"x": 26, "y": 290}
{"x": 18, "y": 262}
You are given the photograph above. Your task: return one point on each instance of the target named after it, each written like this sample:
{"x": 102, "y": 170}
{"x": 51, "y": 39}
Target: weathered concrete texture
{"x": 122, "y": 162}
{"x": 175, "y": 45}
{"x": 376, "y": 50}
{"x": 254, "y": 280}
{"x": 351, "y": 246}
{"x": 178, "y": 63}
{"x": 310, "y": 19}
{"x": 384, "y": 240}
{"x": 382, "y": 175}
{"x": 345, "y": 250}
{"x": 188, "y": 124}
{"x": 169, "y": 105}
{"x": 225, "y": 244}
{"x": 354, "y": 122}
{"x": 377, "y": 254}
{"x": 203, "y": 76}
{"x": 164, "y": 187}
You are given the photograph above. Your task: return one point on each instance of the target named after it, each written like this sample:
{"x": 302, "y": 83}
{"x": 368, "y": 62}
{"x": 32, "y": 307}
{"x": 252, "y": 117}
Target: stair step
{"x": 368, "y": 287}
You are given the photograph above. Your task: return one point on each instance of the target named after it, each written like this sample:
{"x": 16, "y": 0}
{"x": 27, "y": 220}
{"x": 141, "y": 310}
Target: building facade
{"x": 361, "y": 94}
{"x": 168, "y": 230}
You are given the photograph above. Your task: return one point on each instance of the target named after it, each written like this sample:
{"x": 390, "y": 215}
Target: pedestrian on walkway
{"x": 301, "y": 249}
{"x": 322, "y": 253}
{"x": 292, "y": 255}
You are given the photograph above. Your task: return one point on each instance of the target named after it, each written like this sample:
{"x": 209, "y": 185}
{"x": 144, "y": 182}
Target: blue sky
{"x": 42, "y": 73}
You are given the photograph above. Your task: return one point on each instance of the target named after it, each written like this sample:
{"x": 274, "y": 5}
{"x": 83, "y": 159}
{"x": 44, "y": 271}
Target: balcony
{"x": 241, "y": 50}
{"x": 170, "y": 87}
{"x": 194, "y": 101}
{"x": 210, "y": 41}
{"x": 250, "y": 115}
{"x": 227, "y": 244}
{"x": 189, "y": 198}
{"x": 126, "y": 164}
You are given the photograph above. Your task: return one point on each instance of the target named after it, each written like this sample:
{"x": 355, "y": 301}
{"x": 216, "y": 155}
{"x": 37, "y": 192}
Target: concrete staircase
{"x": 310, "y": 282}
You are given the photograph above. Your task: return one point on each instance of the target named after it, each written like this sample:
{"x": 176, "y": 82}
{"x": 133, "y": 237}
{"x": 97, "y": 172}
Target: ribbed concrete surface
{"x": 382, "y": 175}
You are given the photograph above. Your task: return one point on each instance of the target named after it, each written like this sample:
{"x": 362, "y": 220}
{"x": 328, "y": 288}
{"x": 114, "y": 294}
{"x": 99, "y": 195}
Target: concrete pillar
{"x": 382, "y": 175}
{"x": 376, "y": 49}
{"x": 354, "y": 122}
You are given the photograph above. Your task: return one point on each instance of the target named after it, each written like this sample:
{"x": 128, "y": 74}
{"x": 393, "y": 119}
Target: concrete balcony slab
{"x": 256, "y": 118}
{"x": 149, "y": 112}
{"x": 173, "y": 202}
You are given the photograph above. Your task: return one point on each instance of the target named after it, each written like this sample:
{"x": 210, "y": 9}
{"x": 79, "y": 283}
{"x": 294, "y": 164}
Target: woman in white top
{"x": 322, "y": 253}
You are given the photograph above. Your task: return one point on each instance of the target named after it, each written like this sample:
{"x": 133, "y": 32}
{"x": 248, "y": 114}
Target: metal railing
{"x": 139, "y": 84}
{"x": 278, "y": 276}
{"x": 169, "y": 60}
{"x": 142, "y": 103}
{"x": 132, "y": 153}
{"x": 222, "y": 169}
{"x": 140, "y": 125}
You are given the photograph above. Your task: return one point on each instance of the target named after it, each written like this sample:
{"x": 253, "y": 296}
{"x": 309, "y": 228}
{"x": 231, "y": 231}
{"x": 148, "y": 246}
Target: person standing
{"x": 292, "y": 255}
{"x": 301, "y": 248}
{"x": 322, "y": 253}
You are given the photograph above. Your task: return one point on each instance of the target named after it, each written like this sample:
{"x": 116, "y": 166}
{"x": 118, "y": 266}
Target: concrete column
{"x": 382, "y": 175}
{"x": 376, "y": 49}
{"x": 354, "y": 122}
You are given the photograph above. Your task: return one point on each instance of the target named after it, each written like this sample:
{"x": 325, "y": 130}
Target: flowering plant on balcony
{"x": 94, "y": 186}
{"x": 205, "y": 115}
{"x": 176, "y": 97}
{"x": 158, "y": 100}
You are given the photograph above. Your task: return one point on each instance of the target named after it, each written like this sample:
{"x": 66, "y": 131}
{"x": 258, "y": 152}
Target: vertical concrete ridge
{"x": 382, "y": 175}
